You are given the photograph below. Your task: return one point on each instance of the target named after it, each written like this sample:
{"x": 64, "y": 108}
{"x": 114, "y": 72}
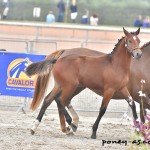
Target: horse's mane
{"x": 117, "y": 44}
{"x": 146, "y": 44}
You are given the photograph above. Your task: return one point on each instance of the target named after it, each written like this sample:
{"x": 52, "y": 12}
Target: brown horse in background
{"x": 98, "y": 73}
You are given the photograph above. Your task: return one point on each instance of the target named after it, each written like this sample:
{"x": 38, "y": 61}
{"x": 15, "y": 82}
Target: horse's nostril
{"x": 139, "y": 55}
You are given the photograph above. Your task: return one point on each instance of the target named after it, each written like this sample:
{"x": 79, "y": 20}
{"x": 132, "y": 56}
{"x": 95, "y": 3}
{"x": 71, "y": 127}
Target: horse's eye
{"x": 130, "y": 41}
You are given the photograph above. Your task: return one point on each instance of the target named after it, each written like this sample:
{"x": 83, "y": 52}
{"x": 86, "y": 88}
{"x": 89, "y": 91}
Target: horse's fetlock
{"x": 74, "y": 127}
{"x": 32, "y": 132}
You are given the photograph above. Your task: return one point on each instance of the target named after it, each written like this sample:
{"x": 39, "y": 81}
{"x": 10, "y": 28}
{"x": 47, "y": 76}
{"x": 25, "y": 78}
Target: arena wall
{"x": 43, "y": 38}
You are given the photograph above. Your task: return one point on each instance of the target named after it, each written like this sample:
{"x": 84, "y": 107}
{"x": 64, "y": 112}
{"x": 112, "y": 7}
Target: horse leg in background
{"x": 108, "y": 93}
{"x": 142, "y": 113}
{"x": 130, "y": 101}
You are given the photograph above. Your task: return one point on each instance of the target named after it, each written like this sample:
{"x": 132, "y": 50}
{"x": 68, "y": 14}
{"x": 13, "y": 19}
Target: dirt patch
{"x": 15, "y": 133}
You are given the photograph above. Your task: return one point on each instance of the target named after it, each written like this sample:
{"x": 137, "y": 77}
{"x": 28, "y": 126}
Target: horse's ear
{"x": 138, "y": 31}
{"x": 125, "y": 32}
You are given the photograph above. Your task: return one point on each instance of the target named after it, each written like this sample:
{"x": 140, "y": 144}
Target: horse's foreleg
{"x": 132, "y": 106}
{"x": 130, "y": 101}
{"x": 106, "y": 98}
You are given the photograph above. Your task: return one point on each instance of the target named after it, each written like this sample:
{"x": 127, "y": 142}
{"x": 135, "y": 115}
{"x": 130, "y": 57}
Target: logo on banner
{"x": 16, "y": 76}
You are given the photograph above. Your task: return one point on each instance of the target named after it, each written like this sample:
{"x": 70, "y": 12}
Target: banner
{"x": 13, "y": 80}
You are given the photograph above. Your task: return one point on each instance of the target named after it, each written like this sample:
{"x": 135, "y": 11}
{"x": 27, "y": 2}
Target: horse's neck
{"x": 121, "y": 57}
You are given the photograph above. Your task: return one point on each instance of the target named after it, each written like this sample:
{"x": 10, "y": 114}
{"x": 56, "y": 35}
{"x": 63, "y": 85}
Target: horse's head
{"x": 132, "y": 43}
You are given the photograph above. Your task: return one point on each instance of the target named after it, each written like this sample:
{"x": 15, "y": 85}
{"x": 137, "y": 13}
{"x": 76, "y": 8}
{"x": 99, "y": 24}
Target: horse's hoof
{"x": 69, "y": 133}
{"x": 68, "y": 129}
{"x": 74, "y": 127}
{"x": 93, "y": 136}
{"x": 32, "y": 132}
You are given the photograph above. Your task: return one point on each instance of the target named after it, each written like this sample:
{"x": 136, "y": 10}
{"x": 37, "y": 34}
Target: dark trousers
{"x": 61, "y": 17}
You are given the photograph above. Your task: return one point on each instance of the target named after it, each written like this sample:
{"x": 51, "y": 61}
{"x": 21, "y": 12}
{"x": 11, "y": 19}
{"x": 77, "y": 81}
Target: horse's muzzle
{"x": 137, "y": 54}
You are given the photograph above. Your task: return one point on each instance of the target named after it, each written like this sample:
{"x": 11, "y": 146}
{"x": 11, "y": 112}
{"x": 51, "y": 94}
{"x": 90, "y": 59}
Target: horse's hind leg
{"x": 64, "y": 128}
{"x": 62, "y": 109}
{"x": 66, "y": 96}
{"x": 75, "y": 120}
{"x": 47, "y": 101}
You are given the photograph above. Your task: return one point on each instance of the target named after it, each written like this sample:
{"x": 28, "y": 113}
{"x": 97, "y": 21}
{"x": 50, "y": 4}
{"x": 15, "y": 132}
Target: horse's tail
{"x": 41, "y": 68}
{"x": 43, "y": 71}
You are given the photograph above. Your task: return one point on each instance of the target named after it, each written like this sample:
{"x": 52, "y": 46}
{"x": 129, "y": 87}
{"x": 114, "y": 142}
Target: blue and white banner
{"x": 13, "y": 80}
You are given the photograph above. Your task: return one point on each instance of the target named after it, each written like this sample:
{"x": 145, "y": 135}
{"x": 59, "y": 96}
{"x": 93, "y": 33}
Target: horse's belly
{"x": 92, "y": 83}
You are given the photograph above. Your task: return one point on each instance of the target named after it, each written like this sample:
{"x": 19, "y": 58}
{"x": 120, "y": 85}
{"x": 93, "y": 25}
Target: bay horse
{"x": 70, "y": 72}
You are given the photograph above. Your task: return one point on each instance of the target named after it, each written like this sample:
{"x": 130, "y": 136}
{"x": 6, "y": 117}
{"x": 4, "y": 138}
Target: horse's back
{"x": 82, "y": 70}
{"x": 81, "y": 51}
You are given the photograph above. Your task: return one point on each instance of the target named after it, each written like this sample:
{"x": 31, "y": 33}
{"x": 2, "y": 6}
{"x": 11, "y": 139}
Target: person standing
{"x": 85, "y": 17}
{"x": 61, "y": 9}
{"x": 146, "y": 22}
{"x": 74, "y": 11}
{"x": 94, "y": 20}
{"x": 138, "y": 21}
{"x": 5, "y": 8}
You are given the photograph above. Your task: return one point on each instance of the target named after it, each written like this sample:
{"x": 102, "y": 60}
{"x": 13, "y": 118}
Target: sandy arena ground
{"x": 15, "y": 133}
